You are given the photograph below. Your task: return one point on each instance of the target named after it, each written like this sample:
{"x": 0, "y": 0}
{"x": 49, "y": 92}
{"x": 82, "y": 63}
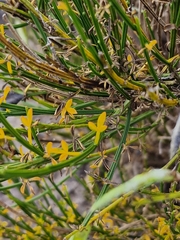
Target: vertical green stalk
{"x": 18, "y": 136}
{"x": 115, "y": 31}
{"x": 175, "y": 19}
{"x": 114, "y": 164}
{"x": 98, "y": 27}
{"x": 146, "y": 54}
{"x": 124, "y": 37}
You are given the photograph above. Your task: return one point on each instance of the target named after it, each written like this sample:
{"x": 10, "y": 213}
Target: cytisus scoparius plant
{"x": 88, "y": 82}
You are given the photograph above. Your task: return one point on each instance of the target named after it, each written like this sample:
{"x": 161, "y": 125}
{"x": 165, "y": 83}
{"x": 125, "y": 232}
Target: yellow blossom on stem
{"x": 9, "y": 67}
{"x": 5, "y": 93}
{"x": 3, "y": 136}
{"x": 71, "y": 217}
{"x": 27, "y": 122}
{"x": 62, "y": 6}
{"x": 2, "y": 29}
{"x": 99, "y": 128}
{"x": 63, "y": 151}
{"x": 67, "y": 109}
{"x": 49, "y": 150}
{"x": 38, "y": 230}
{"x": 8, "y": 63}
{"x": 107, "y": 220}
{"x": 150, "y": 45}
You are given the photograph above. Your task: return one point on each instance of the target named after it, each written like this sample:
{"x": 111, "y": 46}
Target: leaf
{"x": 134, "y": 184}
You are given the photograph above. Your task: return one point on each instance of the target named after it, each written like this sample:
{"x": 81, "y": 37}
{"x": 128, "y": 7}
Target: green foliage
{"x": 101, "y": 72}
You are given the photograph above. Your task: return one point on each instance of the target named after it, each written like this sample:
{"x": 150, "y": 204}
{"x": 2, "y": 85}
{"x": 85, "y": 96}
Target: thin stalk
{"x": 114, "y": 164}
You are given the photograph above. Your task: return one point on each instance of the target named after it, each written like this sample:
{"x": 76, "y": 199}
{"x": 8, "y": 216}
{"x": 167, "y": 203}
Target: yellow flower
{"x": 63, "y": 151}
{"x": 62, "y": 6}
{"x": 9, "y": 67}
{"x": 2, "y": 29}
{"x": 27, "y": 122}
{"x": 107, "y": 220}
{"x": 67, "y": 109}
{"x": 49, "y": 150}
{"x": 8, "y": 62}
{"x": 6, "y": 91}
{"x": 150, "y": 45}
{"x": 3, "y": 136}
{"x": 71, "y": 217}
{"x": 38, "y": 230}
{"x": 99, "y": 128}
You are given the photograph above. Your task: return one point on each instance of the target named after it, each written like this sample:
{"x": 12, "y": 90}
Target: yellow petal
{"x": 2, "y": 135}
{"x": 62, "y": 6}
{"x": 73, "y": 153}
{"x": 53, "y": 161}
{"x": 72, "y": 116}
{"x": 63, "y": 157}
{"x": 72, "y": 111}
{"x": 173, "y": 58}
{"x": 9, "y": 67}
{"x": 6, "y": 91}
{"x": 29, "y": 116}
{"x": 169, "y": 102}
{"x": 2, "y": 61}
{"x": 92, "y": 126}
{"x": 61, "y": 120}
{"x": 63, "y": 112}
{"x": 57, "y": 151}
{"x": 68, "y": 104}
{"x": 21, "y": 151}
{"x": 1, "y": 99}
{"x": 8, "y": 138}
{"x": 27, "y": 88}
{"x": 150, "y": 45}
{"x": 29, "y": 136}
{"x": 102, "y": 128}
{"x": 2, "y": 29}
{"x": 64, "y": 145}
{"x": 97, "y": 138}
{"x": 129, "y": 58}
{"x": 24, "y": 121}
{"x": 49, "y": 147}
{"x": 35, "y": 179}
{"x": 101, "y": 119}
{"x": 93, "y": 166}
{"x": 22, "y": 189}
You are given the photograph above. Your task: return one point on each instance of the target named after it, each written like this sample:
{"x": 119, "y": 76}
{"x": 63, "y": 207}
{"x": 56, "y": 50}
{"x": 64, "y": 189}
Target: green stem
{"x": 18, "y": 136}
{"x": 114, "y": 164}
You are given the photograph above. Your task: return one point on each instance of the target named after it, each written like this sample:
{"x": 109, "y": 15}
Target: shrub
{"x": 104, "y": 70}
